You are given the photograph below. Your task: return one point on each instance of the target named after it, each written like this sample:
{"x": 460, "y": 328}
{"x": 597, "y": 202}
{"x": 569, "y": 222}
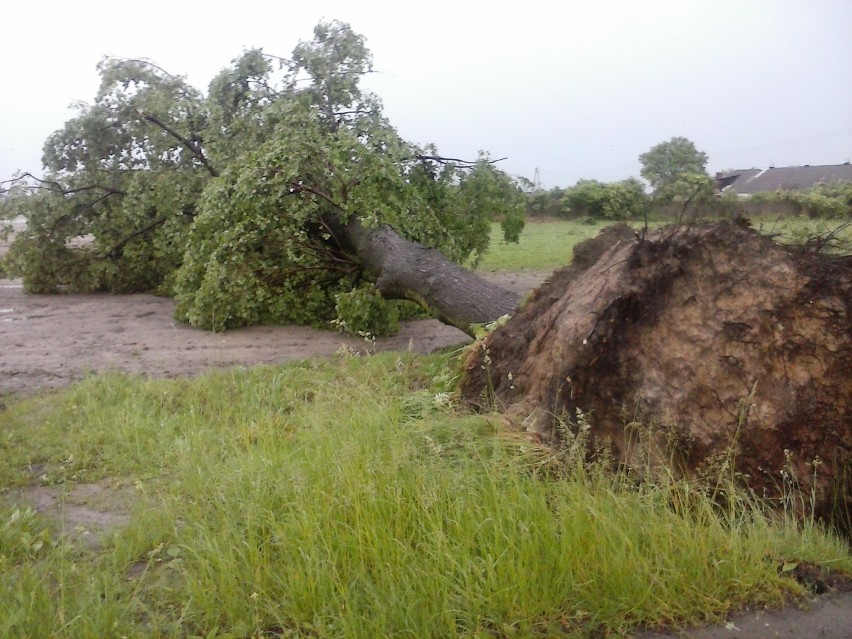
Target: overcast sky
{"x": 573, "y": 89}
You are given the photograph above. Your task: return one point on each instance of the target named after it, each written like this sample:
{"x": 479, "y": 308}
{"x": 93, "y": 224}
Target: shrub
{"x": 613, "y": 201}
{"x": 546, "y": 204}
{"x": 826, "y": 200}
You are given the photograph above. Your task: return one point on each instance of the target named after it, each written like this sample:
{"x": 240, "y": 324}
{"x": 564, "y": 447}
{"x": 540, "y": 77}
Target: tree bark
{"x": 408, "y": 270}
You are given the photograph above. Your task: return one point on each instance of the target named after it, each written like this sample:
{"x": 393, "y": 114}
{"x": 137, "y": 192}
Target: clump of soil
{"x": 712, "y": 338}
{"x": 820, "y": 579}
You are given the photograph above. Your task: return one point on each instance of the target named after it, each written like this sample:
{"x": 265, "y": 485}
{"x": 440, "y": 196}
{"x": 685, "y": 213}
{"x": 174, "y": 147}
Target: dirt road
{"x": 48, "y": 341}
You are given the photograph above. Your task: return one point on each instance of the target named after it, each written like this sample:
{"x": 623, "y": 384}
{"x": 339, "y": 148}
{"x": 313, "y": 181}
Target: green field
{"x": 545, "y": 246}
{"x": 350, "y": 498}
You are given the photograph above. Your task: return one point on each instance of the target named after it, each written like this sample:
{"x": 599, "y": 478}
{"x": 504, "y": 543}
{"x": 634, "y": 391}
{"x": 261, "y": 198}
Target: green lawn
{"x": 544, "y": 246}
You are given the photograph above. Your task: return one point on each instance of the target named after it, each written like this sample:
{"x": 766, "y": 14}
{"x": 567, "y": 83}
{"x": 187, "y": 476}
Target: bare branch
{"x": 53, "y": 185}
{"x": 442, "y": 160}
{"x": 115, "y": 251}
{"x": 304, "y": 188}
{"x": 276, "y": 57}
{"x": 145, "y": 62}
{"x": 354, "y": 112}
{"x": 688, "y": 201}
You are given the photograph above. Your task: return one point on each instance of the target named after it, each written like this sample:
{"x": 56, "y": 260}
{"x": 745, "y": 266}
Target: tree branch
{"x": 687, "y": 203}
{"x": 144, "y": 62}
{"x": 116, "y": 250}
{"x": 303, "y": 188}
{"x": 442, "y": 160}
{"x": 55, "y": 186}
{"x": 193, "y": 148}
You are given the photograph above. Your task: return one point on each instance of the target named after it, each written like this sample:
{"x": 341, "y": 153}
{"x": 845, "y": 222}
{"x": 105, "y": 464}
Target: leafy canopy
{"x": 223, "y": 199}
{"x": 668, "y": 163}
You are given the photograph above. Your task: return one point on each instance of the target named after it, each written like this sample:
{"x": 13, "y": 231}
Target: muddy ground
{"x": 50, "y": 341}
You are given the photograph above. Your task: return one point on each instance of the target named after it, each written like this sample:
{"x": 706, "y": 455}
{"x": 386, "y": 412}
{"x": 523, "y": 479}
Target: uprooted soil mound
{"x": 705, "y": 340}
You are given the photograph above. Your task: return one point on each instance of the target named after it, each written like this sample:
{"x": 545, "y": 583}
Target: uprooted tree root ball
{"x": 705, "y": 345}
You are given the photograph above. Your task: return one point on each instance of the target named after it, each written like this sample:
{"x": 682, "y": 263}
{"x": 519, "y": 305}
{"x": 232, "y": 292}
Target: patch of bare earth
{"x": 85, "y": 514}
{"x": 48, "y": 341}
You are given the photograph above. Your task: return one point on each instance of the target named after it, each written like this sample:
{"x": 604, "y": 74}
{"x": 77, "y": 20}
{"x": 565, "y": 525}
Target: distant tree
{"x": 669, "y": 162}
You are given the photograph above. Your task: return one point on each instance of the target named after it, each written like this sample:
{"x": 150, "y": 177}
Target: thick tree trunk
{"x": 407, "y": 270}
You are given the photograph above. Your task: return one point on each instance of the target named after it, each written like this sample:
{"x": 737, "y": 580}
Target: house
{"x": 747, "y": 182}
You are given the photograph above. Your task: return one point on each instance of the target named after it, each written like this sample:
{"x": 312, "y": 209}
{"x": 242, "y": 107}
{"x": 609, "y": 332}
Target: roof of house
{"x": 794, "y": 178}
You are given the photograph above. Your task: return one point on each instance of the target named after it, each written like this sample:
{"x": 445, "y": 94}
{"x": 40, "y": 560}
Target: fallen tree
{"x": 282, "y": 195}
{"x": 410, "y": 271}
{"x": 704, "y": 346}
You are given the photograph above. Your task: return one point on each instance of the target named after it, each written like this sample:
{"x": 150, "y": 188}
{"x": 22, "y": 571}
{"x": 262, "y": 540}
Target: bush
{"x": 614, "y": 201}
{"x": 828, "y": 200}
{"x": 546, "y": 204}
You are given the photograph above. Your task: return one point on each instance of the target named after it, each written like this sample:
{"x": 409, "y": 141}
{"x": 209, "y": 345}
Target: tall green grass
{"x": 345, "y": 498}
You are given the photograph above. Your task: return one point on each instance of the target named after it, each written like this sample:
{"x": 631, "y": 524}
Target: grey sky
{"x": 575, "y": 89}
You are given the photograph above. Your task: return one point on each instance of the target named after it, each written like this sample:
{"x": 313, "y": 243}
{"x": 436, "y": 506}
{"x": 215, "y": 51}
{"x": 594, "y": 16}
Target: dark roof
{"x": 791, "y": 178}
{"x": 725, "y": 180}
